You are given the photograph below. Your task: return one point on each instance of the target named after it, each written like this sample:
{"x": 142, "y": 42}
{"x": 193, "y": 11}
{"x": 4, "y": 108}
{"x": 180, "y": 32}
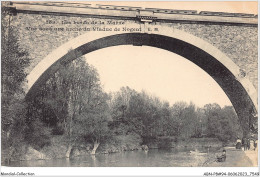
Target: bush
{"x": 121, "y": 143}
{"x": 37, "y": 135}
{"x": 57, "y": 147}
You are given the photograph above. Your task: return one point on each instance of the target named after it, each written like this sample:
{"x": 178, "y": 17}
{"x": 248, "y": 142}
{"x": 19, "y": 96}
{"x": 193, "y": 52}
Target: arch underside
{"x": 235, "y": 91}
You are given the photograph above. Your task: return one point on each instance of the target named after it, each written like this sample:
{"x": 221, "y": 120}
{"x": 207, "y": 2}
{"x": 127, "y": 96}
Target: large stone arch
{"x": 222, "y": 69}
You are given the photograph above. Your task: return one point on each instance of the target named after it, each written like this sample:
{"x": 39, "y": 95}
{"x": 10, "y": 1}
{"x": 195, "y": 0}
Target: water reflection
{"x": 153, "y": 158}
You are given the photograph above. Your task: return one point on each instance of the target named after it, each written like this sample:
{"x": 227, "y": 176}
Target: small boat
{"x": 196, "y": 152}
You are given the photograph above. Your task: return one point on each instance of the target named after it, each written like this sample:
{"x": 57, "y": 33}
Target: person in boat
{"x": 222, "y": 157}
{"x": 239, "y": 144}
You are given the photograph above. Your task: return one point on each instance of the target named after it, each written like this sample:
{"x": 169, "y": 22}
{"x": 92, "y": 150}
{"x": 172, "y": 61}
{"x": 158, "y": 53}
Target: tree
{"x": 177, "y": 113}
{"x": 201, "y": 124}
{"x": 189, "y": 120}
{"x": 121, "y": 105}
{"x": 87, "y": 105}
{"x": 231, "y": 128}
{"x": 140, "y": 113}
{"x": 212, "y": 112}
{"x": 185, "y": 119}
{"x": 14, "y": 61}
{"x": 92, "y": 123}
{"x": 165, "y": 123}
{"x": 222, "y": 122}
{"x": 80, "y": 106}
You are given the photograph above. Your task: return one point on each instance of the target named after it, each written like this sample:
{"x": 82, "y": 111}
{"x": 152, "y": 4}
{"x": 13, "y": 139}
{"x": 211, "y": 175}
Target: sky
{"x": 159, "y": 72}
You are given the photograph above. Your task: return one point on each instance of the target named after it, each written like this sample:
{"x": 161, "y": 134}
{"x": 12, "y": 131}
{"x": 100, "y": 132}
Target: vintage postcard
{"x": 129, "y": 84}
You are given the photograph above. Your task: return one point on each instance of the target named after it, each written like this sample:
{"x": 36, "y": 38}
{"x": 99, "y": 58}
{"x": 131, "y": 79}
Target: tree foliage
{"x": 75, "y": 98}
{"x": 150, "y": 117}
{"x": 14, "y": 60}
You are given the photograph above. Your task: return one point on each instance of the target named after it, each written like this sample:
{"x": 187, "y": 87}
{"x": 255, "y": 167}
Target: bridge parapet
{"x": 135, "y": 12}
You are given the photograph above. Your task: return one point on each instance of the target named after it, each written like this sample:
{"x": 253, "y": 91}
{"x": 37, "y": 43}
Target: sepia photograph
{"x": 129, "y": 84}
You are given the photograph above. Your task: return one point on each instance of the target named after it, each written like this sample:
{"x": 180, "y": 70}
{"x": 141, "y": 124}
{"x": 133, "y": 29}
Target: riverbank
{"x": 175, "y": 142}
{"x": 58, "y": 147}
{"x": 172, "y": 157}
{"x": 234, "y": 158}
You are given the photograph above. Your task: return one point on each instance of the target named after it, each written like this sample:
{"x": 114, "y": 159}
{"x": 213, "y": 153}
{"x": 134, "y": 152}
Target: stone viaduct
{"x": 223, "y": 44}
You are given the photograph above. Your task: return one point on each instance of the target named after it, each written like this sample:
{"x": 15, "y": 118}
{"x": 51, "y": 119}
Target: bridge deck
{"x": 152, "y": 14}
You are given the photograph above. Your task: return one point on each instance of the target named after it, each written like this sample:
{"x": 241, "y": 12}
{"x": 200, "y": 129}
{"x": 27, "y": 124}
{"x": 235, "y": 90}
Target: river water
{"x": 153, "y": 158}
